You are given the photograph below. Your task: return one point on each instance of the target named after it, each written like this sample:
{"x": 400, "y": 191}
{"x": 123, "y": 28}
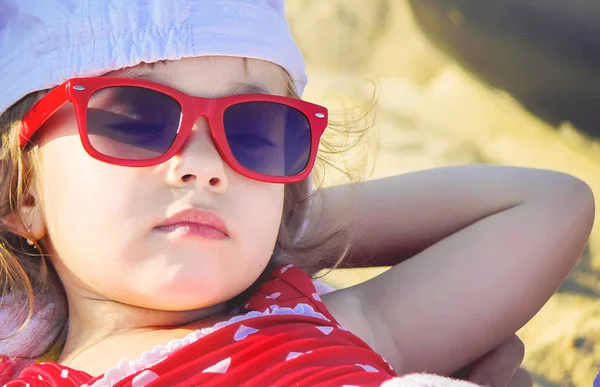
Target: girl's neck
{"x": 111, "y": 331}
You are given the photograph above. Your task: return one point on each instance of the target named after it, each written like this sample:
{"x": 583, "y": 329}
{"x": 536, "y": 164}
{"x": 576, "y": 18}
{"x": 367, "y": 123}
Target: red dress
{"x": 286, "y": 337}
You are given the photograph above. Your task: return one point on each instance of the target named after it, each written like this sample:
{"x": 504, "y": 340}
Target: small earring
{"x": 29, "y": 241}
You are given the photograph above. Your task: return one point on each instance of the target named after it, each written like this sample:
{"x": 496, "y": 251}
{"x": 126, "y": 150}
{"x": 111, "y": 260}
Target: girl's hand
{"x": 500, "y": 367}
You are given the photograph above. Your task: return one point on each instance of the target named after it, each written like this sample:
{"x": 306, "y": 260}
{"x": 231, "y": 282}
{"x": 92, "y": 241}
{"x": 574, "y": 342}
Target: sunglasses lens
{"x": 132, "y": 123}
{"x": 268, "y": 138}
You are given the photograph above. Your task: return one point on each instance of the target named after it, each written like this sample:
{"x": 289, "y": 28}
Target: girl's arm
{"x": 494, "y": 243}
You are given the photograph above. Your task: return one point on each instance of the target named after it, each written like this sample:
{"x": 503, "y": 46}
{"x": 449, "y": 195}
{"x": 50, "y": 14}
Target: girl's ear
{"x": 28, "y": 220}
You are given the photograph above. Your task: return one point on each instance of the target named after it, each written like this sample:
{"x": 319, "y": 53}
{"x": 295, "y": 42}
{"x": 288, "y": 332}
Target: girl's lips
{"x": 193, "y": 230}
{"x": 195, "y": 222}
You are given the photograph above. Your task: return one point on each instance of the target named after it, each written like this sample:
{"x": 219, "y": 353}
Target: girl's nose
{"x": 198, "y": 162}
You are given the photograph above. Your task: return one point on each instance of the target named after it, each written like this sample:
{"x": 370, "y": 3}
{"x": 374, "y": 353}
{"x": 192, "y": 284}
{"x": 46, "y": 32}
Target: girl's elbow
{"x": 580, "y": 195}
{"x": 563, "y": 188}
{"x": 583, "y": 196}
{"x": 575, "y": 198}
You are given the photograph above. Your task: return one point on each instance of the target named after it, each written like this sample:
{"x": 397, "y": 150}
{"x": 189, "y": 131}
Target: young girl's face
{"x": 101, "y": 222}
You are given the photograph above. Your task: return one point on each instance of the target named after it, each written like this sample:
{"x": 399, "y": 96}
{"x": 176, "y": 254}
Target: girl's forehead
{"x": 213, "y": 76}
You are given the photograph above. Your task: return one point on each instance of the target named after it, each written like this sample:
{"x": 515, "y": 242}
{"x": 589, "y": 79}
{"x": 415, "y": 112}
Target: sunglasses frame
{"x": 79, "y": 91}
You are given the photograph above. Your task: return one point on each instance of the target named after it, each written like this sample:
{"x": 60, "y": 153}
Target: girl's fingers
{"x": 521, "y": 379}
{"x": 499, "y": 367}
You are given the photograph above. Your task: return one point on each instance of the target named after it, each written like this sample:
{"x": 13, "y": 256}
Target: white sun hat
{"x": 45, "y": 42}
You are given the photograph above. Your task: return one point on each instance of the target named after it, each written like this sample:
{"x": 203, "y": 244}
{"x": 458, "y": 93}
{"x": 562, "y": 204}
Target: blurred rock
{"x": 360, "y": 36}
{"x": 339, "y": 34}
{"x": 544, "y": 53}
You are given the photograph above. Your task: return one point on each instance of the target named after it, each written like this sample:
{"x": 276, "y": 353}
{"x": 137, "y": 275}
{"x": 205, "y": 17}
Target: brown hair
{"x": 25, "y": 271}
{"x": 328, "y": 250}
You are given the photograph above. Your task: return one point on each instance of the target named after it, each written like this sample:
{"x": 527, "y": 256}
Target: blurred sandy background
{"x": 432, "y": 113}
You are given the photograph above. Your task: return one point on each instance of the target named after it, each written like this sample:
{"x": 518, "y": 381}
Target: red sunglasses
{"x": 138, "y": 123}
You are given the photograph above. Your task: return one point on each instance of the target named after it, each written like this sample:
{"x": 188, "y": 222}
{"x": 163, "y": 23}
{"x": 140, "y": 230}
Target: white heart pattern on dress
{"x": 367, "y": 368}
{"x": 326, "y": 330}
{"x": 219, "y": 368}
{"x": 243, "y": 332}
{"x": 293, "y": 355}
{"x": 144, "y": 378}
{"x": 274, "y": 295}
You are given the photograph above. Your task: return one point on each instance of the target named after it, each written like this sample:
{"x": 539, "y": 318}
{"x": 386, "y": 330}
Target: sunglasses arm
{"x": 42, "y": 111}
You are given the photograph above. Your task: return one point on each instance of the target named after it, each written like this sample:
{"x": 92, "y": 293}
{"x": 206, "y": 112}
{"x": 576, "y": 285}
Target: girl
{"x": 157, "y": 156}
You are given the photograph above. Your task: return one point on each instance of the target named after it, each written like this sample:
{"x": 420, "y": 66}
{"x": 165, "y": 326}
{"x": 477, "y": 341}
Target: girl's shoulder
{"x": 287, "y": 287}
